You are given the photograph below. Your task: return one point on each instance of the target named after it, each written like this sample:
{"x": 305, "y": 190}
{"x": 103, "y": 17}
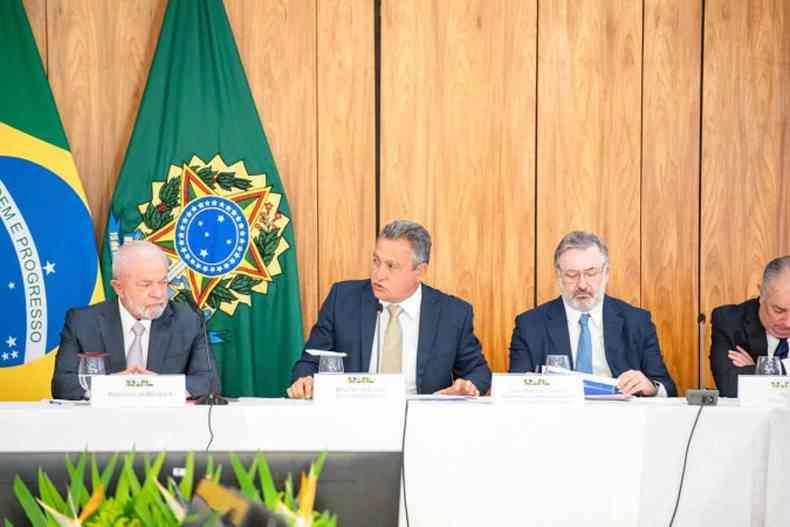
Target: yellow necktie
{"x": 393, "y": 342}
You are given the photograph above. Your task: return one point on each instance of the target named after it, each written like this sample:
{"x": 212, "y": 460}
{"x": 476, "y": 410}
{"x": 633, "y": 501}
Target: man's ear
{"x": 116, "y": 285}
{"x": 422, "y": 269}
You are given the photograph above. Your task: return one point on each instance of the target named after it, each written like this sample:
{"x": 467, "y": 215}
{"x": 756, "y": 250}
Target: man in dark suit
{"x": 755, "y": 328}
{"x": 425, "y": 334}
{"x": 599, "y": 334}
{"x": 141, "y": 330}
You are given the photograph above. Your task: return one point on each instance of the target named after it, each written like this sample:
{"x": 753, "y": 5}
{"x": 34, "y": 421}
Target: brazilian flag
{"x": 199, "y": 180}
{"x": 48, "y": 260}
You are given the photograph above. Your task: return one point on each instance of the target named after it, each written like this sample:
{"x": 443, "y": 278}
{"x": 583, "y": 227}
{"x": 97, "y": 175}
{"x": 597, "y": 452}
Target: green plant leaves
{"x": 148, "y": 503}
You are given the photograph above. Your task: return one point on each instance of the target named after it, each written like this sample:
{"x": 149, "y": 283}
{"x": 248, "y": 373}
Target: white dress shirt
{"x": 599, "y": 364}
{"x": 409, "y": 319}
{"x": 127, "y": 321}
{"x": 773, "y": 343}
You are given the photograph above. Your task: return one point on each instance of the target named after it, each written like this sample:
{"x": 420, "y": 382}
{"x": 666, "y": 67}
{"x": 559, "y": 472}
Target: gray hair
{"x": 775, "y": 267}
{"x": 414, "y": 233}
{"x": 132, "y": 248}
{"x": 580, "y": 240}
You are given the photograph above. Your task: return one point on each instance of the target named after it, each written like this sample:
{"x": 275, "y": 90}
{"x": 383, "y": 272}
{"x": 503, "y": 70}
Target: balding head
{"x": 775, "y": 297}
{"x": 133, "y": 252}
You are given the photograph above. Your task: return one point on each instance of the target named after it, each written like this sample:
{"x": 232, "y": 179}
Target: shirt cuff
{"x": 660, "y": 390}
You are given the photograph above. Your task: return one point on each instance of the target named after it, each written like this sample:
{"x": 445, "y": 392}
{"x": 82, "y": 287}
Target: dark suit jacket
{"x": 735, "y": 325}
{"x": 176, "y": 345}
{"x": 447, "y": 347}
{"x": 628, "y": 332}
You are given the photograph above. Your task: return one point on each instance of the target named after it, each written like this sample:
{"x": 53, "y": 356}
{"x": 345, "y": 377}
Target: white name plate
{"x": 359, "y": 388}
{"x": 764, "y": 390}
{"x": 507, "y": 388}
{"x": 132, "y": 391}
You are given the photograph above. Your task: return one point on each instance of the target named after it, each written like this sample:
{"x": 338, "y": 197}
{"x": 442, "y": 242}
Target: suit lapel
{"x": 755, "y": 332}
{"x": 367, "y": 325}
{"x": 159, "y": 341}
{"x": 558, "y": 331}
{"x": 112, "y": 336}
{"x": 429, "y": 322}
{"x": 612, "y": 338}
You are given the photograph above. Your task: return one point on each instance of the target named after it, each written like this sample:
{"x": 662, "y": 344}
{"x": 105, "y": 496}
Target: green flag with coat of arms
{"x": 199, "y": 180}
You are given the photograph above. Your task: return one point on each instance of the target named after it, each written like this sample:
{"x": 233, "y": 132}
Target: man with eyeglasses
{"x": 599, "y": 334}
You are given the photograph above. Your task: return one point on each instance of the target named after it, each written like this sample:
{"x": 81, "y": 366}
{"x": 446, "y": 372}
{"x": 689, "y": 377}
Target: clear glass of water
{"x": 330, "y": 364}
{"x": 558, "y": 361}
{"x": 768, "y": 366}
{"x": 90, "y": 364}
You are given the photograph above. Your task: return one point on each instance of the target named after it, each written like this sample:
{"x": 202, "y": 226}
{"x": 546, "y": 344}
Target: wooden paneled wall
{"x": 671, "y": 75}
{"x": 457, "y": 148}
{"x": 745, "y": 147}
{"x": 663, "y": 125}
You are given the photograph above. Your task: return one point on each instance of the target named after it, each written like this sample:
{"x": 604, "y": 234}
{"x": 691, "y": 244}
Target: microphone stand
{"x": 701, "y": 367}
{"x": 212, "y": 398}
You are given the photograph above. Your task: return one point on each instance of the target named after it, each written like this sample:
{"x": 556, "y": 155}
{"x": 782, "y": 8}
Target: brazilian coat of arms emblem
{"x": 222, "y": 229}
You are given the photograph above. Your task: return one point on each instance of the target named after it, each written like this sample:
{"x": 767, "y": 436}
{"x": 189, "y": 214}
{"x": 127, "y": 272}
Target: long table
{"x": 475, "y": 463}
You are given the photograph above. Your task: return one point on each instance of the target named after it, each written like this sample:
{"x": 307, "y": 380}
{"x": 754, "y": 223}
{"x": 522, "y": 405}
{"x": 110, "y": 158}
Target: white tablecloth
{"x": 474, "y": 463}
{"x": 607, "y": 464}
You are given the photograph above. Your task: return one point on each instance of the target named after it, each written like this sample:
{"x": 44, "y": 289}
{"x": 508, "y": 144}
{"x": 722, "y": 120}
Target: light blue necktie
{"x": 584, "y": 350}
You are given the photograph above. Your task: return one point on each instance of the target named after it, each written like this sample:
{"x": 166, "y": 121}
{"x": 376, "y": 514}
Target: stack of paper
{"x": 595, "y": 386}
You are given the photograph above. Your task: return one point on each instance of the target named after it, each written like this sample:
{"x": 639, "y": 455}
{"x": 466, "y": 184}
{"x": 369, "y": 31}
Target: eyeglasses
{"x": 572, "y": 276}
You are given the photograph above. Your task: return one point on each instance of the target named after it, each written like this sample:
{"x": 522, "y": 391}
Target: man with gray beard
{"x": 141, "y": 331}
{"x": 599, "y": 334}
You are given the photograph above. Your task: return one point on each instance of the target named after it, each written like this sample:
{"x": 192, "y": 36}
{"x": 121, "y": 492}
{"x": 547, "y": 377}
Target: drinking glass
{"x": 90, "y": 364}
{"x": 558, "y": 361}
{"x": 330, "y": 364}
{"x": 768, "y": 366}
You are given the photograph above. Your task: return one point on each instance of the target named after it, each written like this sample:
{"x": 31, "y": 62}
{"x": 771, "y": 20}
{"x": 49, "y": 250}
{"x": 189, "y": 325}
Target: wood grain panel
{"x": 277, "y": 43}
{"x": 458, "y": 146}
{"x": 745, "y": 146}
{"x": 98, "y": 65}
{"x": 670, "y": 179}
{"x": 37, "y": 16}
{"x": 588, "y": 175}
{"x": 346, "y": 140}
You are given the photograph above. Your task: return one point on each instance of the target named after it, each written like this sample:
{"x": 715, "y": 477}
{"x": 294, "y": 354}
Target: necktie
{"x": 584, "y": 349}
{"x": 781, "y": 349}
{"x": 393, "y": 343}
{"x": 135, "y": 355}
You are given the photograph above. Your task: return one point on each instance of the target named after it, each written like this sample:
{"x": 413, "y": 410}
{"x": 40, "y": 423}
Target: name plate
{"x": 359, "y": 388}
{"x": 507, "y": 388}
{"x": 134, "y": 391}
{"x": 764, "y": 390}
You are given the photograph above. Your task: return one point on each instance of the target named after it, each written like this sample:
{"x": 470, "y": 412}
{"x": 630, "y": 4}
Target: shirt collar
{"x": 411, "y": 304}
{"x": 573, "y": 315}
{"x": 127, "y": 320}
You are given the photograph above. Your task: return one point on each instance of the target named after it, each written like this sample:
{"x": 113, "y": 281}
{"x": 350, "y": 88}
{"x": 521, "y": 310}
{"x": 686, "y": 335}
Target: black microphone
{"x": 212, "y": 397}
{"x": 379, "y": 309}
{"x": 701, "y": 363}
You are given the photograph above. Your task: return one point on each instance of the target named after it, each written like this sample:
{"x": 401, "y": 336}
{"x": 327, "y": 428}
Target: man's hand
{"x": 460, "y": 387}
{"x": 634, "y": 382}
{"x": 135, "y": 370}
{"x": 740, "y": 357}
{"x": 302, "y": 388}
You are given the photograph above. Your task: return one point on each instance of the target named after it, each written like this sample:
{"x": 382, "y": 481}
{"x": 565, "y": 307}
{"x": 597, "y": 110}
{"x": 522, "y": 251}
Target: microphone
{"x": 212, "y": 397}
{"x": 379, "y": 309}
